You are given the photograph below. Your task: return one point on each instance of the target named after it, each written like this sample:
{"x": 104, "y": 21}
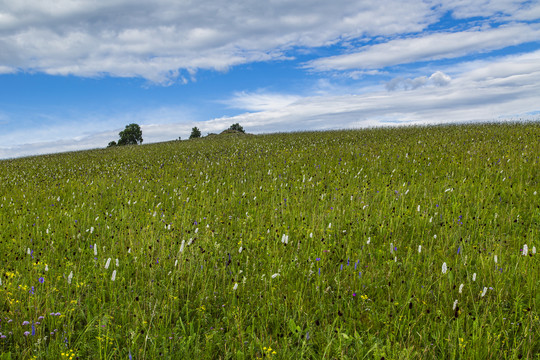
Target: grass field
{"x": 402, "y": 243}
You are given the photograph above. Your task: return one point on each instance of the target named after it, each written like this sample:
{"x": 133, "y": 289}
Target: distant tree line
{"x": 132, "y": 134}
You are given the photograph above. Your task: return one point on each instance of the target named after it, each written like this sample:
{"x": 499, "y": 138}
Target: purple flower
{"x": 459, "y": 250}
{"x": 40, "y": 318}
{"x": 41, "y": 280}
{"x": 26, "y": 333}
{"x": 33, "y": 330}
{"x": 25, "y": 323}
{"x": 318, "y": 259}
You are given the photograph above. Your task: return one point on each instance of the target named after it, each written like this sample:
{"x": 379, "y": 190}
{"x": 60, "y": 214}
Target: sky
{"x": 74, "y": 73}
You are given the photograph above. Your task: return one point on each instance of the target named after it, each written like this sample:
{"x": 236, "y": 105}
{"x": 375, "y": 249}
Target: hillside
{"x": 413, "y": 242}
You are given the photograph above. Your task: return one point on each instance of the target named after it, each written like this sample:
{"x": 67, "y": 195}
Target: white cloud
{"x": 482, "y": 91}
{"x": 438, "y": 78}
{"x": 430, "y": 47}
{"x": 155, "y": 40}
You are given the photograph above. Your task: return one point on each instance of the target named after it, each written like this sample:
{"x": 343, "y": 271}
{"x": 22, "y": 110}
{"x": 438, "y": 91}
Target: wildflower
{"x": 484, "y": 292}
{"x": 26, "y": 333}
{"x": 285, "y": 239}
{"x": 275, "y": 275}
{"x": 534, "y": 250}
{"x": 329, "y": 225}
{"x": 419, "y": 249}
{"x": 495, "y": 258}
{"x": 474, "y": 277}
{"x": 235, "y": 286}
{"x": 525, "y": 250}
{"x": 182, "y": 245}
{"x": 33, "y": 330}
{"x": 25, "y": 323}
{"x": 70, "y": 276}
{"x": 460, "y": 288}
{"x": 368, "y": 240}
{"x": 311, "y": 235}
{"x": 444, "y": 268}
{"x": 455, "y": 304}
{"x": 117, "y": 263}
{"x": 113, "y": 277}
{"x": 240, "y": 250}
{"x": 41, "y": 280}
{"x": 46, "y": 267}
{"x": 107, "y": 263}
{"x": 459, "y": 249}
{"x": 95, "y": 250}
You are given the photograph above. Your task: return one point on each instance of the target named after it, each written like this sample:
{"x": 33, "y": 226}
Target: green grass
{"x": 204, "y": 271}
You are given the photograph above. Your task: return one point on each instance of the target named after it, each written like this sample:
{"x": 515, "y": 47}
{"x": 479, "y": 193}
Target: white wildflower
{"x": 182, "y": 245}
{"x": 311, "y": 235}
{"x": 444, "y": 268}
{"x": 196, "y": 230}
{"x": 240, "y": 250}
{"x": 235, "y": 286}
{"x": 190, "y": 241}
{"x": 455, "y": 304}
{"x": 275, "y": 275}
{"x": 46, "y": 267}
{"x": 70, "y": 276}
{"x": 460, "y": 288}
{"x": 419, "y": 249}
{"x": 91, "y": 229}
{"x": 435, "y": 236}
{"x": 368, "y": 240}
{"x": 285, "y": 239}
{"x": 418, "y": 208}
{"x": 525, "y": 250}
{"x": 474, "y": 277}
{"x": 329, "y": 225}
{"x": 28, "y": 251}
{"x": 117, "y": 263}
{"x": 107, "y": 263}
{"x": 484, "y": 292}
{"x": 534, "y": 250}
{"x": 495, "y": 258}
{"x": 95, "y": 250}
{"x": 113, "y": 277}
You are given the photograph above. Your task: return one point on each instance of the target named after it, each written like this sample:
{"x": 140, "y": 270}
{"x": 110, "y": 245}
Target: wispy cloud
{"x": 430, "y": 47}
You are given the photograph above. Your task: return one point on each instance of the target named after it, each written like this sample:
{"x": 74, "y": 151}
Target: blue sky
{"x": 73, "y": 73}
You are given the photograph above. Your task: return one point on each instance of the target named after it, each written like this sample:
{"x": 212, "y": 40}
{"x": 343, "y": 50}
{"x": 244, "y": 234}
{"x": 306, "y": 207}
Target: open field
{"x": 403, "y": 243}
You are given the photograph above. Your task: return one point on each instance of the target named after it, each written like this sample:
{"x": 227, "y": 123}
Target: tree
{"x": 195, "y": 133}
{"x": 111, "y": 144}
{"x": 237, "y": 127}
{"x": 131, "y": 135}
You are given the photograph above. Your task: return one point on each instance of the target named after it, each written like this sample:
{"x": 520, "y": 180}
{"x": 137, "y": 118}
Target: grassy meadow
{"x": 394, "y": 243}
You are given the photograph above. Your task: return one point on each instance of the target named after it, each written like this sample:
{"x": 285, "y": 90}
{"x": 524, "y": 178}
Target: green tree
{"x": 131, "y": 135}
{"x": 237, "y": 127}
{"x": 195, "y": 133}
{"x": 112, "y": 143}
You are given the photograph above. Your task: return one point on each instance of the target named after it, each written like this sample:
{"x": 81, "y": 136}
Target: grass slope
{"x": 397, "y": 243}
